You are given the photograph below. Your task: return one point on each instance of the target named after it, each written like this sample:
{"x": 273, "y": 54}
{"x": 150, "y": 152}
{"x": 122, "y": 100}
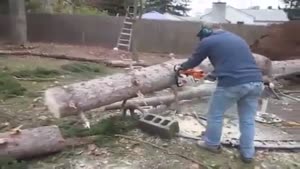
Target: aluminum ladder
{"x": 125, "y": 37}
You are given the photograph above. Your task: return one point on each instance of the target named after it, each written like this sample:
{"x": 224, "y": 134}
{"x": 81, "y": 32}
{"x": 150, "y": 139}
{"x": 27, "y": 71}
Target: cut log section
{"x": 192, "y": 92}
{"x": 28, "y": 143}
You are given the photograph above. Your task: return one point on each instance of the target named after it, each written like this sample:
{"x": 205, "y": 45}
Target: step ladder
{"x": 124, "y": 40}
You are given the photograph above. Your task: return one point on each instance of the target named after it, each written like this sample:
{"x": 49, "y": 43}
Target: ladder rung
{"x": 127, "y": 29}
{"x": 122, "y": 44}
{"x": 127, "y": 40}
{"x": 128, "y": 23}
{"x": 129, "y": 18}
{"x": 128, "y": 34}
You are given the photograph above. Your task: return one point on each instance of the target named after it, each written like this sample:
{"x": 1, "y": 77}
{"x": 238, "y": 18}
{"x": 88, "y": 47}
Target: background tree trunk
{"x": 18, "y": 21}
{"x": 135, "y": 55}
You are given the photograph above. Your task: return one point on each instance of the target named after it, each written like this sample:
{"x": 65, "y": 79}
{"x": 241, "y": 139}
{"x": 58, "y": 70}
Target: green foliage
{"x": 83, "y": 68}
{"x": 38, "y": 72}
{"x": 10, "y": 87}
{"x": 33, "y": 5}
{"x": 107, "y": 127}
{"x": 62, "y": 6}
{"x": 4, "y": 8}
{"x": 175, "y": 7}
{"x": 10, "y": 163}
{"x": 88, "y": 10}
{"x": 292, "y": 9}
{"x": 292, "y": 4}
{"x": 113, "y": 7}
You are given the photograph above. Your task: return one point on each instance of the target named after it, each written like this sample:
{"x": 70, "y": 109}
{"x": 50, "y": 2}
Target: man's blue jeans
{"x": 246, "y": 96}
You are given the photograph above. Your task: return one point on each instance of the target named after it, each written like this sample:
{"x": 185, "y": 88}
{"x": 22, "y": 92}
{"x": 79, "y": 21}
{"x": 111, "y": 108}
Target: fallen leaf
{"x": 194, "y": 166}
{"x": 92, "y": 147}
{"x": 16, "y": 130}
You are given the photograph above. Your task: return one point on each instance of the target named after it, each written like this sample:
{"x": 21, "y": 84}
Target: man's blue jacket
{"x": 231, "y": 57}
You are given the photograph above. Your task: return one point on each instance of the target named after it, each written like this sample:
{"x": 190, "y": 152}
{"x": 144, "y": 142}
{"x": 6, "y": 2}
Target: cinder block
{"x": 158, "y": 125}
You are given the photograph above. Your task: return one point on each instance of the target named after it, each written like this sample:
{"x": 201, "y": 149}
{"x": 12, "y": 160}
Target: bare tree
{"x": 18, "y": 21}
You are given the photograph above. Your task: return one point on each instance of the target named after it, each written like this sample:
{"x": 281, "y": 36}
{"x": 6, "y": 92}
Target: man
{"x": 239, "y": 80}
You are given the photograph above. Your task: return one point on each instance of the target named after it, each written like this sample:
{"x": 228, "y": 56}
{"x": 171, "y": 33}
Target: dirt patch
{"x": 281, "y": 42}
{"x": 89, "y": 52}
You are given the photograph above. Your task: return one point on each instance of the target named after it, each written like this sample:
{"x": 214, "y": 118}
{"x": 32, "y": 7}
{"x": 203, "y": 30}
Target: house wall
{"x": 151, "y": 35}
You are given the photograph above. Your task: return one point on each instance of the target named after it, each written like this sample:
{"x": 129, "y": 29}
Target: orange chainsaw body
{"x": 195, "y": 73}
{"x": 189, "y": 76}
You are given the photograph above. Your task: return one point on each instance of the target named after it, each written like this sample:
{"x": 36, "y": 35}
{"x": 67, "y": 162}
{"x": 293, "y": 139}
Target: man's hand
{"x": 177, "y": 68}
{"x": 267, "y": 82}
{"x": 210, "y": 77}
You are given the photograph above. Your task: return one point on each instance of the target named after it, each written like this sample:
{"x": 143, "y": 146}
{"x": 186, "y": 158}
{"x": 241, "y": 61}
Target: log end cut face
{"x": 30, "y": 143}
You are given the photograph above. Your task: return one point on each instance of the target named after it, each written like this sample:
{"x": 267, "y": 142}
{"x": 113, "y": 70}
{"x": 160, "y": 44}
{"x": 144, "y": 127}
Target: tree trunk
{"x": 30, "y": 143}
{"x": 83, "y": 96}
{"x": 285, "y": 67}
{"x": 135, "y": 55}
{"x": 18, "y": 21}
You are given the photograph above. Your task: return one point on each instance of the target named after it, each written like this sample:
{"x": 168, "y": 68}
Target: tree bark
{"x": 18, "y": 21}
{"x": 83, "y": 96}
{"x": 29, "y": 143}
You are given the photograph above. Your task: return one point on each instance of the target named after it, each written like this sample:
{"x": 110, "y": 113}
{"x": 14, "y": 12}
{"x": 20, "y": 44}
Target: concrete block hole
{"x": 149, "y": 117}
{"x": 157, "y": 120}
{"x": 166, "y": 122}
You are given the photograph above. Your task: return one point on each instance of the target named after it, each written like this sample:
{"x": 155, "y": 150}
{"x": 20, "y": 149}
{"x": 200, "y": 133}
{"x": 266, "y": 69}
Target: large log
{"x": 83, "y": 96}
{"x": 281, "y": 68}
{"x": 30, "y": 143}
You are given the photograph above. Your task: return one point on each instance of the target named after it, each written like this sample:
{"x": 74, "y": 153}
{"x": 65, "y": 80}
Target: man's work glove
{"x": 177, "y": 68}
{"x": 269, "y": 89}
{"x": 268, "y": 83}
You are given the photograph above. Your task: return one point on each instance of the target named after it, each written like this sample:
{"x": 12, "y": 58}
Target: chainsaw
{"x": 189, "y": 76}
